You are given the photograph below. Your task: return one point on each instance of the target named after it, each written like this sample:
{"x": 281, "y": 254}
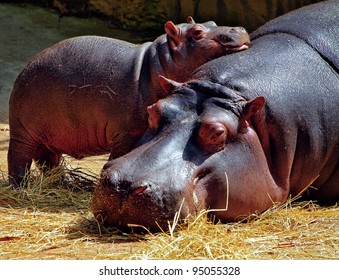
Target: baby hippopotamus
{"x": 88, "y": 95}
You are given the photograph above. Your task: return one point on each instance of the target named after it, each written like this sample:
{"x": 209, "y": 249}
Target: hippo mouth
{"x": 238, "y": 48}
{"x": 233, "y": 43}
{"x": 142, "y": 209}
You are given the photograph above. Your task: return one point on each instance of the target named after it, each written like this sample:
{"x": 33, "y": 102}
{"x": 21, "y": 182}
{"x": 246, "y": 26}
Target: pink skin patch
{"x": 243, "y": 47}
{"x": 140, "y": 190}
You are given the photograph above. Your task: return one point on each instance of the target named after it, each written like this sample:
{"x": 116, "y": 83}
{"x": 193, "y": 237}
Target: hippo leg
{"x": 20, "y": 155}
{"x": 45, "y": 159}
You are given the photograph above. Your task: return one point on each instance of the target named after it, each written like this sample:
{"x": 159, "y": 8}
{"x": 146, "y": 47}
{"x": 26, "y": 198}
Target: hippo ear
{"x": 253, "y": 106}
{"x": 168, "y": 85}
{"x": 172, "y": 30}
{"x": 190, "y": 20}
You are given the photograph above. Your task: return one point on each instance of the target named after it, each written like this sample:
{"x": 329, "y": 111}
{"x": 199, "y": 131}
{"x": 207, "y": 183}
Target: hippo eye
{"x": 198, "y": 34}
{"x": 153, "y": 116}
{"x": 212, "y": 136}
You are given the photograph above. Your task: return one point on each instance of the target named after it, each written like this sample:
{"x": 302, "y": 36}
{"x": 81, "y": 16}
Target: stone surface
{"x": 151, "y": 14}
{"x": 26, "y": 30}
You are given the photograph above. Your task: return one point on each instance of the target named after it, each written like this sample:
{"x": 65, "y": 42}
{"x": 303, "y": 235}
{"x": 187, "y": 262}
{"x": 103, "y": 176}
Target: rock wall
{"x": 151, "y": 14}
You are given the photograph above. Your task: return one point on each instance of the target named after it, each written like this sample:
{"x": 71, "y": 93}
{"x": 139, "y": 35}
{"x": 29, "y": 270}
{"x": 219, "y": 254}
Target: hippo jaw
{"x": 238, "y": 48}
{"x": 140, "y": 205}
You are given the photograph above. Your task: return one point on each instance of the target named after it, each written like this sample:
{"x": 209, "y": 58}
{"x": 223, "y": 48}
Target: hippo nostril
{"x": 108, "y": 165}
{"x": 109, "y": 179}
{"x": 105, "y": 181}
{"x": 140, "y": 186}
{"x": 140, "y": 190}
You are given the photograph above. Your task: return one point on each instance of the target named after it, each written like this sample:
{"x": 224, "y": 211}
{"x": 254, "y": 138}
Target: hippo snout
{"x": 121, "y": 202}
{"x": 233, "y": 39}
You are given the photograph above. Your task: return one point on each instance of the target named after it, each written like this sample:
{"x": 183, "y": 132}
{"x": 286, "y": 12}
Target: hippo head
{"x": 192, "y": 44}
{"x": 201, "y": 151}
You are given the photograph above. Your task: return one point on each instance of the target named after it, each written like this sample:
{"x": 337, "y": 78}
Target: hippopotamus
{"x": 88, "y": 95}
{"x": 245, "y": 132}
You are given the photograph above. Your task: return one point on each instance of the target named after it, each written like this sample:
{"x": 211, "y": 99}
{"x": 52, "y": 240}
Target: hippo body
{"x": 247, "y": 131}
{"x": 88, "y": 95}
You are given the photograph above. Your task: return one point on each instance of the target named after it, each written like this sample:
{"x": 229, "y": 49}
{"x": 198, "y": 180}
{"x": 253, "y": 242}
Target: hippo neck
{"x": 159, "y": 59}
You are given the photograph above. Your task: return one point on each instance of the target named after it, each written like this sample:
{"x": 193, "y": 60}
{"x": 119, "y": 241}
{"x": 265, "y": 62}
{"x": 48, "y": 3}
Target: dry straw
{"x": 50, "y": 219}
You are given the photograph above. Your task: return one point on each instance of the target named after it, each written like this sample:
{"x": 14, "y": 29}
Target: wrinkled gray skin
{"x": 88, "y": 95}
{"x": 247, "y": 131}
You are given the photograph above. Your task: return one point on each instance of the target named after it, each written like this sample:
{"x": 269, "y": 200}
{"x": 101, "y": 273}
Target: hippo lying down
{"x": 88, "y": 95}
{"x": 247, "y": 131}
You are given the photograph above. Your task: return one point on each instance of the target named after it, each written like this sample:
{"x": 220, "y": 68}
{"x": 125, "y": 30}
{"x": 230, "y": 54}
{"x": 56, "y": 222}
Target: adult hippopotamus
{"x": 245, "y": 132}
{"x": 88, "y": 95}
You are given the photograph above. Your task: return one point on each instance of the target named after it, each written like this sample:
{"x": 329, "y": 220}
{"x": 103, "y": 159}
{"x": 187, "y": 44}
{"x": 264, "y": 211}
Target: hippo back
{"x": 316, "y": 24}
{"x": 300, "y": 85}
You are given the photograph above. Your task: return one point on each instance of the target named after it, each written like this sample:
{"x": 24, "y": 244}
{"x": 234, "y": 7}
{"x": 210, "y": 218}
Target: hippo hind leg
{"x": 46, "y": 159}
{"x": 19, "y": 157}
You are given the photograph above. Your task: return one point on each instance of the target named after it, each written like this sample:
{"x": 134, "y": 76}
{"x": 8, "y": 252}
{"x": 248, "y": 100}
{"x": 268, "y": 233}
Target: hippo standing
{"x": 88, "y": 95}
{"x": 246, "y": 131}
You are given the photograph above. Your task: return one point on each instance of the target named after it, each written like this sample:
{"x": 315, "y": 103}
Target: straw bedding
{"x": 50, "y": 219}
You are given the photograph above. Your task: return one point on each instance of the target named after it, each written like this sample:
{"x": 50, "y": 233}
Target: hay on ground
{"x": 300, "y": 230}
{"x": 50, "y": 219}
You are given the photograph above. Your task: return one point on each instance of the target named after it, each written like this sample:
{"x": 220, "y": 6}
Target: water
{"x": 25, "y": 30}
